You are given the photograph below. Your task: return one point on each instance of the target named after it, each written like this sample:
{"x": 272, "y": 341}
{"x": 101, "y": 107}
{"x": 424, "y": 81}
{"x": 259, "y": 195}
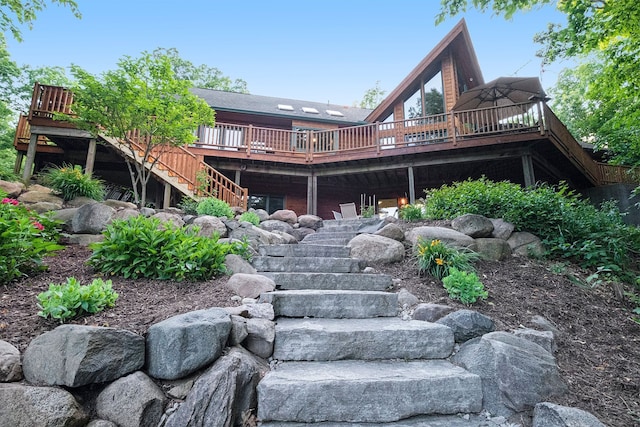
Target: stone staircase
{"x": 344, "y": 357}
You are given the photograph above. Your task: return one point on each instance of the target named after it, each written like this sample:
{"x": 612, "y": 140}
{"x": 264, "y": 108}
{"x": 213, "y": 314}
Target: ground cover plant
{"x": 71, "y": 299}
{"x": 250, "y": 217}
{"x": 214, "y": 207}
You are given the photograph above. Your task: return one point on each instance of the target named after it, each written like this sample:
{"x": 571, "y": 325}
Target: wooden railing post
{"x": 454, "y": 138}
{"x": 247, "y": 139}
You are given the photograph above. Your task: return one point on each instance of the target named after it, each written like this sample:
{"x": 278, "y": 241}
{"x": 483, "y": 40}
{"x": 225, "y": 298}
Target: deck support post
{"x": 18, "y": 164}
{"x": 166, "y": 200}
{"x": 412, "y": 185}
{"x": 237, "y": 177}
{"x": 31, "y": 156}
{"x": 91, "y": 157}
{"x": 527, "y": 169}
{"x": 312, "y": 195}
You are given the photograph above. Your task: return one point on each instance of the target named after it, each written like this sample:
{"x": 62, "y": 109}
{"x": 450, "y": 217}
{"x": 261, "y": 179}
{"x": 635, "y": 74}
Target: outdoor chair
{"x": 348, "y": 210}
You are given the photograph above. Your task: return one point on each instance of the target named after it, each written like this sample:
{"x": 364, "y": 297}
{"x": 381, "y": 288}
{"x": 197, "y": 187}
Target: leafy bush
{"x": 71, "y": 299}
{"x": 411, "y": 212}
{"x": 368, "y": 211}
{"x": 71, "y": 182}
{"x": 188, "y": 205}
{"x": 250, "y": 217}
{"x": 570, "y": 227}
{"x": 214, "y": 207}
{"x": 436, "y": 258}
{"x": 25, "y": 238}
{"x": 141, "y": 247}
{"x": 464, "y": 286}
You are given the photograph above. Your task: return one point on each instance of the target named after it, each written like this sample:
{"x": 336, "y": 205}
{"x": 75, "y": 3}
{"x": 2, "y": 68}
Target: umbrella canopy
{"x": 502, "y": 91}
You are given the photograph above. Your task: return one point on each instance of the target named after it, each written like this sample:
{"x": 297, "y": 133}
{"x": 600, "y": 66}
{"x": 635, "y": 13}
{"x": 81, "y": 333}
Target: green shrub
{"x": 464, "y": 286}
{"x": 411, "y": 212}
{"x": 436, "y": 258}
{"x": 188, "y": 205}
{"x": 71, "y": 182}
{"x": 25, "y": 238}
{"x": 141, "y": 247}
{"x": 68, "y": 300}
{"x": 250, "y": 217}
{"x": 368, "y": 211}
{"x": 214, "y": 207}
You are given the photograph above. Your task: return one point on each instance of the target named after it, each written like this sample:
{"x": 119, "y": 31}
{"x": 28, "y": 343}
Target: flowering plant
{"x": 436, "y": 258}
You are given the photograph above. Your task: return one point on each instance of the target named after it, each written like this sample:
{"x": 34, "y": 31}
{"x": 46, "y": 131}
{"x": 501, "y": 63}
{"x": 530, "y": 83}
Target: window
{"x": 310, "y": 110}
{"x": 334, "y": 113}
{"x": 269, "y": 203}
{"x": 285, "y": 107}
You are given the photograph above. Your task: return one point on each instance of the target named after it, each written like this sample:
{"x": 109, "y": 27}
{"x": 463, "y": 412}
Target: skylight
{"x": 285, "y": 107}
{"x": 310, "y": 110}
{"x": 334, "y": 113}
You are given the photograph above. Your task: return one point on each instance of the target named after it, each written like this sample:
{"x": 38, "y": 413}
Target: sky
{"x": 323, "y": 51}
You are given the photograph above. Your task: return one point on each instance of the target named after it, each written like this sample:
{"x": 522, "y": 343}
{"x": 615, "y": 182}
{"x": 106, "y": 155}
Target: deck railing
{"x": 23, "y": 133}
{"x": 48, "y": 100}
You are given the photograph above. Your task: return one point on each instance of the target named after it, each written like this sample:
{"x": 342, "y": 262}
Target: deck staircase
{"x": 343, "y": 355}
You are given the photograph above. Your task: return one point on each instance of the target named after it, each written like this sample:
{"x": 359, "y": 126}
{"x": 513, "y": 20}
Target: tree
{"x": 372, "y": 97}
{"x": 142, "y": 95}
{"x": 604, "y": 31}
{"x": 201, "y": 76}
{"x": 15, "y": 12}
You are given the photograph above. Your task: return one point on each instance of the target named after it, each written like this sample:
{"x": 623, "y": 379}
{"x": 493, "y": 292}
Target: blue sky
{"x": 329, "y": 51}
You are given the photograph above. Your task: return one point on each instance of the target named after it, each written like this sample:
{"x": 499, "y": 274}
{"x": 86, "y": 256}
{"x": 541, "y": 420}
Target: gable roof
{"x": 269, "y": 106}
{"x": 457, "y": 41}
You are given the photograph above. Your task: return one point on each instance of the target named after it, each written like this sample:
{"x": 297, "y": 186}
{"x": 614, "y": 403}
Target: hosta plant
{"x": 71, "y": 299}
{"x": 464, "y": 286}
{"x": 436, "y": 258}
{"x": 250, "y": 217}
{"x": 214, "y": 207}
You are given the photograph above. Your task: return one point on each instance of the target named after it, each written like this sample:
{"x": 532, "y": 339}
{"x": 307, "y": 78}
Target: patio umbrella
{"x": 502, "y": 91}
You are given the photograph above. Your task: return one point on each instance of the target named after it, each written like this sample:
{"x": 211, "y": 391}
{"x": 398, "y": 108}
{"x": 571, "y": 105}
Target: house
{"x": 310, "y": 157}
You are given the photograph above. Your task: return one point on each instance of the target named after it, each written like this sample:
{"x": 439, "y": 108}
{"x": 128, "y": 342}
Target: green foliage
{"x": 372, "y": 97}
{"x": 412, "y": 212}
{"x": 464, "y": 286}
{"x": 214, "y": 207}
{"x": 570, "y": 227}
{"x": 188, "y": 205}
{"x": 14, "y": 13}
{"x": 368, "y": 211}
{"x": 71, "y": 182}
{"x": 25, "y": 238}
{"x": 251, "y": 217}
{"x": 436, "y": 258}
{"x": 142, "y": 247}
{"x": 68, "y": 300}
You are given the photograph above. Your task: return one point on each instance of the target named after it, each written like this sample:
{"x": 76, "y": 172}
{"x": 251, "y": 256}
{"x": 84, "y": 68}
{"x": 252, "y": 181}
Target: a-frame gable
{"x": 454, "y": 56}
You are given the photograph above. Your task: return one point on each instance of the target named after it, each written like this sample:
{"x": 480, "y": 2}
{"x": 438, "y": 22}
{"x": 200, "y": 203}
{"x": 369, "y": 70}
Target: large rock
{"x": 77, "y": 355}
{"x": 223, "y": 394}
{"x": 313, "y": 222}
{"x": 119, "y": 204}
{"x": 285, "y": 215}
{"x": 392, "y": 231}
{"x": 492, "y": 249}
{"x": 236, "y": 264}
{"x": 132, "y": 401}
{"x": 36, "y": 196}
{"x": 13, "y": 189}
{"x": 260, "y": 338}
{"x": 544, "y": 339}
{"x": 92, "y": 218}
{"x": 76, "y": 202}
{"x": 66, "y": 216}
{"x": 473, "y": 225}
{"x": 501, "y": 228}
{"x": 516, "y": 373}
{"x": 526, "y": 244}
{"x": 169, "y": 218}
{"x": 446, "y": 235}
{"x": 548, "y": 414}
{"x": 185, "y": 343}
{"x": 376, "y": 249}
{"x": 125, "y": 213}
{"x": 10, "y": 367}
{"x": 42, "y": 207}
{"x": 276, "y": 225}
{"x": 210, "y": 226}
{"x": 302, "y": 232}
{"x": 26, "y": 406}
{"x": 250, "y": 285}
{"x": 255, "y": 235}
{"x": 467, "y": 324}
{"x": 429, "y": 312}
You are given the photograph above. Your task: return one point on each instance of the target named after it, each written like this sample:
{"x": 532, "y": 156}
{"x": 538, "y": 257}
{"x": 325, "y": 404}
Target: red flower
{"x": 8, "y": 201}
{"x": 37, "y": 225}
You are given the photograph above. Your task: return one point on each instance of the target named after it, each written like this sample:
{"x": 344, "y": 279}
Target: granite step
{"x": 361, "y": 339}
{"x": 330, "y": 281}
{"x": 459, "y": 420}
{"x": 307, "y": 264}
{"x": 334, "y": 304}
{"x": 348, "y": 235}
{"x": 304, "y": 251}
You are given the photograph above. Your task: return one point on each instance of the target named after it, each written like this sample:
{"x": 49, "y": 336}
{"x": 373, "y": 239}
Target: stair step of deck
{"x": 309, "y": 264}
{"x": 366, "y": 391}
{"x": 331, "y": 281}
{"x": 330, "y": 235}
{"x": 333, "y": 304}
{"x": 305, "y": 251}
{"x": 361, "y": 339}
{"x": 328, "y": 241}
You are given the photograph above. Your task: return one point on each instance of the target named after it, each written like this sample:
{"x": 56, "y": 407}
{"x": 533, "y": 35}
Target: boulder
{"x": 288, "y": 239}
{"x": 302, "y": 232}
{"x": 543, "y": 324}
{"x": 79, "y": 201}
{"x": 375, "y": 249}
{"x": 501, "y": 228}
{"x": 467, "y": 324}
{"x": 125, "y": 213}
{"x": 260, "y": 338}
{"x": 66, "y": 216}
{"x": 429, "y": 312}
{"x": 236, "y": 264}
{"x": 101, "y": 423}
{"x": 473, "y": 225}
{"x": 132, "y": 401}
{"x": 77, "y": 355}
{"x": 13, "y": 189}
{"x": 167, "y": 217}
{"x": 10, "y": 366}
{"x": 285, "y": 215}
{"x": 223, "y": 394}
{"x": 92, "y": 218}
{"x": 262, "y": 214}
{"x": 238, "y": 330}
{"x": 274, "y": 224}
{"x": 255, "y": 235}
{"x": 187, "y": 342}
{"x": 36, "y": 196}
{"x": 24, "y": 405}
{"x": 250, "y": 285}
{"x": 406, "y": 298}
{"x": 119, "y": 204}
{"x": 313, "y": 222}
{"x": 147, "y": 212}
{"x": 42, "y": 207}
{"x": 526, "y": 244}
{"x": 209, "y": 226}
{"x": 516, "y": 373}
{"x": 391, "y": 231}
{"x": 543, "y": 338}
{"x": 492, "y": 249}
{"x": 548, "y": 414}
{"x": 446, "y": 235}
{"x": 84, "y": 239}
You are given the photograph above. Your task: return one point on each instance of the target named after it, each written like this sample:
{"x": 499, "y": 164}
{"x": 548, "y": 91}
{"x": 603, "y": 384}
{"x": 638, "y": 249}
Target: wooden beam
{"x": 56, "y": 131}
{"x": 412, "y": 186}
{"x": 18, "y": 164}
{"x": 166, "y": 201}
{"x": 31, "y": 156}
{"x": 527, "y": 169}
{"x": 91, "y": 157}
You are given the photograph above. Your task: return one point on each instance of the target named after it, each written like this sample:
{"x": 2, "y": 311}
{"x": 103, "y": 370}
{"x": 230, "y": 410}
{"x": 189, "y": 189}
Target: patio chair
{"x": 348, "y": 210}
{"x": 337, "y": 215}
